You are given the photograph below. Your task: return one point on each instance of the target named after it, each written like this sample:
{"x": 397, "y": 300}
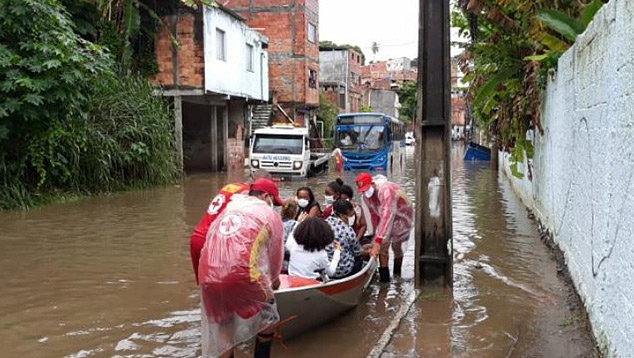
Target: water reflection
{"x": 111, "y": 277}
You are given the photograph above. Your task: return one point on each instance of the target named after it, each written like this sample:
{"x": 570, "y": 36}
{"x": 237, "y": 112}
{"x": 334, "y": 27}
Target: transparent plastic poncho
{"x": 241, "y": 260}
{"x": 391, "y": 211}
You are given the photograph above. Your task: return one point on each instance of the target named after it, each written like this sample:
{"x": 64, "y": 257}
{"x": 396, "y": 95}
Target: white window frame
{"x": 313, "y": 27}
{"x": 250, "y": 49}
{"x": 221, "y": 48}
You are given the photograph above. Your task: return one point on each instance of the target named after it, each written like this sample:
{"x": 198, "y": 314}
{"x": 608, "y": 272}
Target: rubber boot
{"x": 398, "y": 263}
{"x": 262, "y": 349}
{"x": 384, "y": 274}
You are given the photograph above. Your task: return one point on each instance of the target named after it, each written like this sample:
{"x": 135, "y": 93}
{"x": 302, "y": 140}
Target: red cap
{"x": 269, "y": 187}
{"x": 364, "y": 181}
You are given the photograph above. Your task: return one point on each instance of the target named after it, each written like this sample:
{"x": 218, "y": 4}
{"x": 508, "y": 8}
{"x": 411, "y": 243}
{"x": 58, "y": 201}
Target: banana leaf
{"x": 589, "y": 12}
{"x": 561, "y": 23}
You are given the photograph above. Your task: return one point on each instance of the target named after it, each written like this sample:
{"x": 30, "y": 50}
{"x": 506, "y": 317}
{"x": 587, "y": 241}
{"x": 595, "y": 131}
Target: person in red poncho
{"x": 215, "y": 208}
{"x": 239, "y": 268}
{"x": 392, "y": 217}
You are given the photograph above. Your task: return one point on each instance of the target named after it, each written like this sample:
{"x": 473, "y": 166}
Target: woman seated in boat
{"x": 307, "y": 246}
{"x": 332, "y": 194}
{"x": 360, "y": 226}
{"x": 307, "y": 203}
{"x": 341, "y": 221}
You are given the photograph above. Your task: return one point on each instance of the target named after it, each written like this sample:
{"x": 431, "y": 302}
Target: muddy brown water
{"x": 111, "y": 277}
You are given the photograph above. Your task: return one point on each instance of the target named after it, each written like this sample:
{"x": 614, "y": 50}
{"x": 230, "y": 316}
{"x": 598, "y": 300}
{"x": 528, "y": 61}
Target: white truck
{"x": 285, "y": 151}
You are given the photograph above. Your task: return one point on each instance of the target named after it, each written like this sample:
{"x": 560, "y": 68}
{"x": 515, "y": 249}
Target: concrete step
{"x": 261, "y": 116}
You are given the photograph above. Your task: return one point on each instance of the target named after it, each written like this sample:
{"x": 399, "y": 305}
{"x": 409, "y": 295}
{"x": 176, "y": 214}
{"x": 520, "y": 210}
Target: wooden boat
{"x": 304, "y": 304}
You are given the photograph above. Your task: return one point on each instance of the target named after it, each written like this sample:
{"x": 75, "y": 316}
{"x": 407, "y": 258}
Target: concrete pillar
{"x": 224, "y": 133}
{"x": 433, "y": 189}
{"x": 214, "y": 139}
{"x": 178, "y": 131}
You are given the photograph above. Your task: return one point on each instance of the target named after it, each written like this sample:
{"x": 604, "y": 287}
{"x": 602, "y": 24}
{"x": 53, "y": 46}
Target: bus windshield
{"x": 362, "y": 138}
{"x": 278, "y": 144}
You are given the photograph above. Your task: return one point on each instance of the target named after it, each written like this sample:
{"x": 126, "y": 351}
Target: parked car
{"x": 409, "y": 138}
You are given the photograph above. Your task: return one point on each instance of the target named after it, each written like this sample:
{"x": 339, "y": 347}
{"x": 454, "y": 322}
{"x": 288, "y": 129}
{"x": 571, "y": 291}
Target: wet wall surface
{"x": 111, "y": 277}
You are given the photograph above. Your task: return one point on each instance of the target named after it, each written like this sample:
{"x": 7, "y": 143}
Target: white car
{"x": 409, "y": 138}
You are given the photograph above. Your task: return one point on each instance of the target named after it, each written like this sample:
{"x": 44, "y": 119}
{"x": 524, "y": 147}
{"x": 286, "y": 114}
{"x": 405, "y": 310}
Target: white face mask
{"x": 330, "y": 199}
{"x": 369, "y": 193}
{"x": 302, "y": 203}
{"x": 351, "y": 220}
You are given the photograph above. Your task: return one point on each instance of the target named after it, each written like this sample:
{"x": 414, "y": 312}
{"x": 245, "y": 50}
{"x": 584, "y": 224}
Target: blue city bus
{"x": 369, "y": 141}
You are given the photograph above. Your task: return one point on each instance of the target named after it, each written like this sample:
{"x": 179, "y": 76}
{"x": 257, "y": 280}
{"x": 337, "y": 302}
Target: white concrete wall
{"x": 231, "y": 77}
{"x": 583, "y": 187}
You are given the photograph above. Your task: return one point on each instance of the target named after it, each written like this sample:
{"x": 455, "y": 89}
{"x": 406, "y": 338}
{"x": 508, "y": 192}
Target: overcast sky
{"x": 391, "y": 23}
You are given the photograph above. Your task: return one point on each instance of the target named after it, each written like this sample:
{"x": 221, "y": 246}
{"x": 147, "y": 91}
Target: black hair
{"x": 342, "y": 207}
{"x": 309, "y": 191}
{"x": 336, "y": 185}
{"x": 256, "y": 193}
{"x": 314, "y": 234}
{"x": 347, "y": 190}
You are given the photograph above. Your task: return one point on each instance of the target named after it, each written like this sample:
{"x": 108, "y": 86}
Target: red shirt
{"x": 216, "y": 207}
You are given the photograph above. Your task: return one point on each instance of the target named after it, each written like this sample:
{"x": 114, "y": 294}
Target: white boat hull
{"x": 307, "y": 307}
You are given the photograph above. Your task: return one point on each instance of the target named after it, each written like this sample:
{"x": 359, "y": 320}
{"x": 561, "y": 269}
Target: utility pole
{"x": 434, "y": 248}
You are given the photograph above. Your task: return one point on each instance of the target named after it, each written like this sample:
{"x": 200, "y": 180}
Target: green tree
{"x": 68, "y": 123}
{"x": 409, "y": 101}
{"x": 327, "y": 113}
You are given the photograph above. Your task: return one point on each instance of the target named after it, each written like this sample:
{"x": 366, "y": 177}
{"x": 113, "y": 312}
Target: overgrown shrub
{"x": 67, "y": 122}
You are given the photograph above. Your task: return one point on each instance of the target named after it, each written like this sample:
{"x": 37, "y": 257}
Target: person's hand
{"x": 303, "y": 216}
{"x": 376, "y": 250}
{"x": 337, "y": 245}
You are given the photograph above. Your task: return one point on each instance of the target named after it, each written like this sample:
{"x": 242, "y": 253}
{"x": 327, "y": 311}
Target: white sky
{"x": 391, "y": 23}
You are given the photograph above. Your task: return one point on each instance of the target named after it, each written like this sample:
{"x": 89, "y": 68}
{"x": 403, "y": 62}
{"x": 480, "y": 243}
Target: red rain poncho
{"x": 241, "y": 260}
{"x": 217, "y": 205}
{"x": 390, "y": 211}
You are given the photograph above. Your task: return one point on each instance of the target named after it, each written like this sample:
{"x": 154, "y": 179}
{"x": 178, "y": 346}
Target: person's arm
{"x": 354, "y": 243}
{"x": 276, "y": 283}
{"x": 331, "y": 268}
{"x": 362, "y": 226}
{"x": 387, "y": 210}
{"x": 314, "y": 212}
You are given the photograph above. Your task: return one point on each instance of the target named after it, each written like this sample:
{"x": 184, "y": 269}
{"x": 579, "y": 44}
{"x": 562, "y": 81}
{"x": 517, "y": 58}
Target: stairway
{"x": 261, "y": 116}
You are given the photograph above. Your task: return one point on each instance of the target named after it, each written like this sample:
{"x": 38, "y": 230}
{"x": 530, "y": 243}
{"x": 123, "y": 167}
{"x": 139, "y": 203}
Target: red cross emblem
{"x": 230, "y": 224}
{"x": 216, "y": 204}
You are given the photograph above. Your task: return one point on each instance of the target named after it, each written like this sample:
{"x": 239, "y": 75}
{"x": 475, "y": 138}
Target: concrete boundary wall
{"x": 582, "y": 185}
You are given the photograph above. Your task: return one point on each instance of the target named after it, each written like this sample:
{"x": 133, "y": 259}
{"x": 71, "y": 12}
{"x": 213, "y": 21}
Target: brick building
{"x": 292, "y": 29}
{"x": 388, "y": 75}
{"x": 341, "y": 77}
{"x": 216, "y": 74}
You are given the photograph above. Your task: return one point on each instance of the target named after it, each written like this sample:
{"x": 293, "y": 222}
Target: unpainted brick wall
{"x": 189, "y": 56}
{"x": 291, "y": 55}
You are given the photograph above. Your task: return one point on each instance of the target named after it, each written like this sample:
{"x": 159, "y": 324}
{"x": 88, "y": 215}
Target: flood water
{"x": 111, "y": 277}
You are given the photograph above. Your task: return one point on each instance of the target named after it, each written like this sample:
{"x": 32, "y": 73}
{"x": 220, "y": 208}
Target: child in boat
{"x": 332, "y": 194}
{"x": 360, "y": 226}
{"x": 307, "y": 246}
{"x": 289, "y": 212}
{"x": 307, "y": 203}
{"x": 341, "y": 221}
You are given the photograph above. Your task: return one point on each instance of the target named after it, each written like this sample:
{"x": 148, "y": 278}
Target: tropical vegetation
{"x": 70, "y": 122}
{"x": 514, "y": 46}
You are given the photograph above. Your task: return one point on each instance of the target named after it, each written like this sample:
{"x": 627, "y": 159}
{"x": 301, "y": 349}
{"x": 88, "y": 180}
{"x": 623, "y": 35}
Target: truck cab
{"x": 284, "y": 151}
